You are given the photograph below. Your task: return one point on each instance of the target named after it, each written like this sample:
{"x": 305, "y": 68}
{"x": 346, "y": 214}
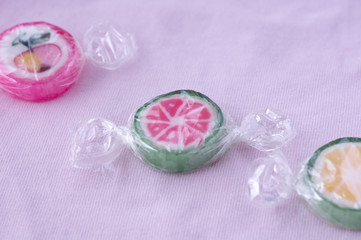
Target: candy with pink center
{"x": 38, "y": 61}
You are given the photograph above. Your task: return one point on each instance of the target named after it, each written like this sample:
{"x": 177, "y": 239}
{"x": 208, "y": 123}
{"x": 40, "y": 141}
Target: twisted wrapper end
{"x": 267, "y": 131}
{"x": 109, "y": 48}
{"x": 97, "y": 143}
{"x": 271, "y": 179}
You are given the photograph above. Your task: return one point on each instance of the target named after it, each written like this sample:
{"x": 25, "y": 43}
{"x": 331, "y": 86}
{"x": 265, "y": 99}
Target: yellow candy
{"x": 341, "y": 173}
{"x": 29, "y": 61}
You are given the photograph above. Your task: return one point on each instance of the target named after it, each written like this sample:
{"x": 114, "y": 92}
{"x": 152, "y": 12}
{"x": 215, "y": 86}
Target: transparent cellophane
{"x": 328, "y": 183}
{"x": 98, "y": 143}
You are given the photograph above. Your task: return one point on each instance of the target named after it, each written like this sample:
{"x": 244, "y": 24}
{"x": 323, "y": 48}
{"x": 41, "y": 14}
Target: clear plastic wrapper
{"x": 40, "y": 61}
{"x": 329, "y": 182}
{"x": 108, "y": 48}
{"x": 176, "y": 132}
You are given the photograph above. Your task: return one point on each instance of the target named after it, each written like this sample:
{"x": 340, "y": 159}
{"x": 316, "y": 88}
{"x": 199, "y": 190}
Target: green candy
{"x": 179, "y": 131}
{"x": 329, "y": 207}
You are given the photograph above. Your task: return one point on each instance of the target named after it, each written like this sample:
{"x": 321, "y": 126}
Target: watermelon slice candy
{"x": 178, "y": 132}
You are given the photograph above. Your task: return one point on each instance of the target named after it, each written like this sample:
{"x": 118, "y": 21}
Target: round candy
{"x": 334, "y": 177}
{"x": 179, "y": 131}
{"x": 38, "y": 61}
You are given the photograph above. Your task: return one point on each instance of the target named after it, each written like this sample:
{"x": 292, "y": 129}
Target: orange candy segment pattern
{"x": 341, "y": 173}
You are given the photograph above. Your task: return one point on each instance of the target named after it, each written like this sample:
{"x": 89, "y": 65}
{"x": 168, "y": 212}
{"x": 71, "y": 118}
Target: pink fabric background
{"x": 303, "y": 57}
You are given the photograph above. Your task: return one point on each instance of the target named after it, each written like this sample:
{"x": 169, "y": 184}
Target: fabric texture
{"x": 301, "y": 57}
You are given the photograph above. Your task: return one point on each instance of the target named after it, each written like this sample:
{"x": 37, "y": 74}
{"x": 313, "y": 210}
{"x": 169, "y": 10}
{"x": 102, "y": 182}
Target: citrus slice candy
{"x": 178, "y": 131}
{"x": 334, "y": 175}
{"x": 38, "y": 61}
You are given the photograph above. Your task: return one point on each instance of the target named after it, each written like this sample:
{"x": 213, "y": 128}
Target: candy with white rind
{"x": 38, "y": 61}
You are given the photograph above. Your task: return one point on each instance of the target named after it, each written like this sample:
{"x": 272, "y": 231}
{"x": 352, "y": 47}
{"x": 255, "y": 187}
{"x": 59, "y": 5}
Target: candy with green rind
{"x": 341, "y": 207}
{"x": 179, "y": 131}
{"x": 176, "y": 132}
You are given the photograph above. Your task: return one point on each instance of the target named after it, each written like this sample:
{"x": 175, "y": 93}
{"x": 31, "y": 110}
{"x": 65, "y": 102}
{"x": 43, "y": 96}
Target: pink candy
{"x": 38, "y": 61}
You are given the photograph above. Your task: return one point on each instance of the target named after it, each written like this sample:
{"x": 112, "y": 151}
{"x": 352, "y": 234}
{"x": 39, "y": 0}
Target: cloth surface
{"x": 301, "y": 57}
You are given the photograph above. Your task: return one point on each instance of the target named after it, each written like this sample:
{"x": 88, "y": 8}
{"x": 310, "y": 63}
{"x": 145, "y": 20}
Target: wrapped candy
{"x": 176, "y": 132}
{"x": 329, "y": 182}
{"x": 40, "y": 61}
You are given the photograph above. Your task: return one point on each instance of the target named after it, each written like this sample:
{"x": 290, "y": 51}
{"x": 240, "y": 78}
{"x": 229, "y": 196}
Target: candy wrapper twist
{"x": 329, "y": 182}
{"x": 177, "y": 132}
